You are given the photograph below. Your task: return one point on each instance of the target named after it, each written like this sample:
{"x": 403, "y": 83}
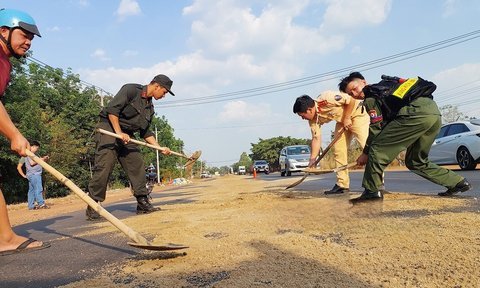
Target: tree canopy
{"x": 53, "y": 107}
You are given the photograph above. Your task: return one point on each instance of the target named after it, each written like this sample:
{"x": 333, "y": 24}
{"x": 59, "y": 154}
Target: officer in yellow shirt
{"x": 348, "y": 113}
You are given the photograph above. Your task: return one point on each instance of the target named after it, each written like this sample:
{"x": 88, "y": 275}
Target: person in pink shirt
{"x": 17, "y": 30}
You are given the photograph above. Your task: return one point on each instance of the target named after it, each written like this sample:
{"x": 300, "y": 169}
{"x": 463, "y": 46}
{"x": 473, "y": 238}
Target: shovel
{"x": 138, "y": 240}
{"x": 194, "y": 157}
{"x": 339, "y": 134}
{"x": 338, "y": 169}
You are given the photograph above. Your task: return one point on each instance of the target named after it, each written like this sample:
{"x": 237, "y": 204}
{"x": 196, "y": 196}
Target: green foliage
{"x": 244, "y": 161}
{"x": 269, "y": 149}
{"x": 51, "y": 106}
{"x": 223, "y": 170}
{"x": 171, "y": 166}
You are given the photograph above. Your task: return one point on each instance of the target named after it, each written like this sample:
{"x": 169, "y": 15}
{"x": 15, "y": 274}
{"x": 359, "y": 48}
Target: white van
{"x": 241, "y": 170}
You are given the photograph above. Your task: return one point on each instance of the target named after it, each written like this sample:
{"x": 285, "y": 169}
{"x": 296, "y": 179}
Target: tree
{"x": 244, "y": 161}
{"x": 224, "y": 170}
{"x": 53, "y": 107}
{"x": 50, "y": 106}
{"x": 169, "y": 164}
{"x": 450, "y": 114}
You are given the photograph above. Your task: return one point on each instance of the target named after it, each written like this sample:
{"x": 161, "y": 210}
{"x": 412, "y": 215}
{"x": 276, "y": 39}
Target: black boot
{"x": 461, "y": 186}
{"x": 368, "y": 196}
{"x": 92, "y": 215}
{"x": 144, "y": 206}
{"x": 336, "y": 190}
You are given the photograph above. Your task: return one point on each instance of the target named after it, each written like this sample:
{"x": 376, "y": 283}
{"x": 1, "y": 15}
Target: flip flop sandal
{"x": 24, "y": 247}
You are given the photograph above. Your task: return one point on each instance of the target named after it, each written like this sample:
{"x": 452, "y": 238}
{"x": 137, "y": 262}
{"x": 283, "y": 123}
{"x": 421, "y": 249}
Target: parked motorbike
{"x": 151, "y": 177}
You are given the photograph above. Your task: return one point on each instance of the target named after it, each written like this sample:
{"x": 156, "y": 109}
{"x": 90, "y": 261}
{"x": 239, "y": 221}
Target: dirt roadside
{"x": 252, "y": 233}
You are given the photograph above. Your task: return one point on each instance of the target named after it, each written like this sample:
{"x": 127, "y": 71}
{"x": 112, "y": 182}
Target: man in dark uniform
{"x": 131, "y": 110}
{"x": 403, "y": 116}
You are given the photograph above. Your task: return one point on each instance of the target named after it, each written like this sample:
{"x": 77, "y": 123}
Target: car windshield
{"x": 260, "y": 162}
{"x": 298, "y": 150}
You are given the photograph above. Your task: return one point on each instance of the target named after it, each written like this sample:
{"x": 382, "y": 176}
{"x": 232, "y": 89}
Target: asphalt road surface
{"x": 395, "y": 181}
{"x": 72, "y": 258}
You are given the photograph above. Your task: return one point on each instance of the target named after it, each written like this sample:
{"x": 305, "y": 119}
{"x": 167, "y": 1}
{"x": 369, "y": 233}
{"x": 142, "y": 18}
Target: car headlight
{"x": 292, "y": 160}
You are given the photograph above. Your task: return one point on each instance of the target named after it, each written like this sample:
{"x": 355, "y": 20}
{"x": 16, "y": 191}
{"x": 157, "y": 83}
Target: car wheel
{"x": 465, "y": 159}
{"x": 282, "y": 173}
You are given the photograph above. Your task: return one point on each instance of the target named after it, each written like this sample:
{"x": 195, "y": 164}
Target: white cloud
{"x": 449, "y": 8}
{"x": 54, "y": 29}
{"x": 235, "y": 46}
{"x": 244, "y": 112}
{"x": 130, "y": 53}
{"x": 128, "y": 8}
{"x": 83, "y": 3}
{"x": 356, "y": 49}
{"x": 347, "y": 14}
{"x": 269, "y": 40}
{"x": 100, "y": 54}
{"x": 229, "y": 27}
{"x": 459, "y": 86}
{"x": 213, "y": 76}
{"x": 457, "y": 76}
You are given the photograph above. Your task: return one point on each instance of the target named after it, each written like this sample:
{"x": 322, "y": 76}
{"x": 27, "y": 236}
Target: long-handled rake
{"x": 139, "y": 240}
{"x": 339, "y": 134}
{"x": 191, "y": 159}
{"x": 315, "y": 171}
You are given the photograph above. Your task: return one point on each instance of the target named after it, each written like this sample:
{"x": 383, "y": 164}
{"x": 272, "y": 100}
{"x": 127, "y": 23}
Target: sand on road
{"x": 246, "y": 232}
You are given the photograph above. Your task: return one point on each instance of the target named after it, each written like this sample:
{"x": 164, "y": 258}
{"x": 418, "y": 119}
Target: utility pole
{"x": 101, "y": 97}
{"x": 158, "y": 162}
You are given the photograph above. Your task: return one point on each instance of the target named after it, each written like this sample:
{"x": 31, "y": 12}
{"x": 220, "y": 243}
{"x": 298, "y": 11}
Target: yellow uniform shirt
{"x": 330, "y": 106}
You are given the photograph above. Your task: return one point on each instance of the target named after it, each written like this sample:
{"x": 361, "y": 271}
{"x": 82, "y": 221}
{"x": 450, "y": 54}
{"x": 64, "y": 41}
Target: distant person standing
{"x": 17, "y": 30}
{"x": 34, "y": 176}
{"x": 20, "y": 165}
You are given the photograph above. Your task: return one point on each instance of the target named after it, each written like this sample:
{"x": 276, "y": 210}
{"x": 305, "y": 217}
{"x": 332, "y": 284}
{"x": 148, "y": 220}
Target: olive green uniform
{"x": 135, "y": 115}
{"x": 330, "y": 106}
{"x": 413, "y": 128}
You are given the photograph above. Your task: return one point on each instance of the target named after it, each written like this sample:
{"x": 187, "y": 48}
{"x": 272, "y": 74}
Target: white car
{"x": 293, "y": 158}
{"x": 205, "y": 175}
{"x": 261, "y": 166}
{"x": 457, "y": 143}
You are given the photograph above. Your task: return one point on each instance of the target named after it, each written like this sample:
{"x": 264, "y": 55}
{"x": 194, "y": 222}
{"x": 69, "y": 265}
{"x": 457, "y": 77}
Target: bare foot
{"x": 17, "y": 241}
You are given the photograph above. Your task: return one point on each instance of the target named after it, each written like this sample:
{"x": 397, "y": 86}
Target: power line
{"x": 301, "y": 82}
{"x": 238, "y": 126}
{"x": 448, "y": 95}
{"x": 330, "y": 75}
{"x": 82, "y": 82}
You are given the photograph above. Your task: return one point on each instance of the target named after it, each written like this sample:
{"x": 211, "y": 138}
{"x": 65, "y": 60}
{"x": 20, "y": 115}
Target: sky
{"x": 238, "y": 66}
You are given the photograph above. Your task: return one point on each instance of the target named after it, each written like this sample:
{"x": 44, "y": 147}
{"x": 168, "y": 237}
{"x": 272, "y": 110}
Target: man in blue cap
{"x": 17, "y": 30}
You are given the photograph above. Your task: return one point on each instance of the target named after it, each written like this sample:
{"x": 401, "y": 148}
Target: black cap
{"x": 164, "y": 81}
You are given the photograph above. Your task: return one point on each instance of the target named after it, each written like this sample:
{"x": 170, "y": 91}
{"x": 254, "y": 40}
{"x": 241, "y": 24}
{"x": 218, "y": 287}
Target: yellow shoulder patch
{"x": 404, "y": 87}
